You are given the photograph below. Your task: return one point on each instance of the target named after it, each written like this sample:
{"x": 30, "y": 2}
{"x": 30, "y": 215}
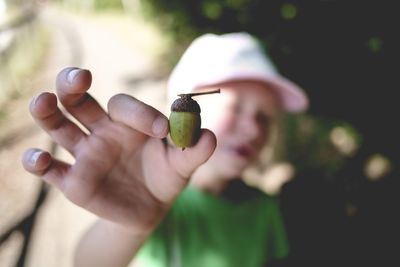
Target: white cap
{"x": 213, "y": 59}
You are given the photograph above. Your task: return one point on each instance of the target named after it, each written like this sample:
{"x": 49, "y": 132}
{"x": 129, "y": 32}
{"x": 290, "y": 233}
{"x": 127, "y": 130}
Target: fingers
{"x": 40, "y": 163}
{"x": 72, "y": 84}
{"x": 138, "y": 115}
{"x": 187, "y": 161}
{"x": 49, "y": 117}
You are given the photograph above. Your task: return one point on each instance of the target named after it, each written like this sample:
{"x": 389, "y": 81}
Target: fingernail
{"x": 34, "y": 157}
{"x": 72, "y": 74}
{"x": 34, "y": 100}
{"x": 159, "y": 126}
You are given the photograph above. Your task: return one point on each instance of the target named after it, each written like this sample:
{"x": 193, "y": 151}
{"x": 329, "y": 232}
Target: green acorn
{"x": 185, "y": 120}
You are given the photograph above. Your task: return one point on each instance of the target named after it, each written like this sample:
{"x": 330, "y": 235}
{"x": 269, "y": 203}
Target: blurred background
{"x": 338, "y": 162}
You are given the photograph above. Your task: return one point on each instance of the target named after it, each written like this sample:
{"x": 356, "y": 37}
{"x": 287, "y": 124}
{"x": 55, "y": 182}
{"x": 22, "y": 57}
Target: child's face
{"x": 240, "y": 117}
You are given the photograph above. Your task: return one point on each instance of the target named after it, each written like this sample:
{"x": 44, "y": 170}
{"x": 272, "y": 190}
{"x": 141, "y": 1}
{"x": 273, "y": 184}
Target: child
{"x": 159, "y": 204}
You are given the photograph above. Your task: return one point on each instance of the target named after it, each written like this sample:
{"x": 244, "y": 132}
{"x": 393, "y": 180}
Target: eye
{"x": 264, "y": 120}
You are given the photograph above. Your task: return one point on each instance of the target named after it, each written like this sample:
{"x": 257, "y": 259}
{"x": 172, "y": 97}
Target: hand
{"x": 123, "y": 171}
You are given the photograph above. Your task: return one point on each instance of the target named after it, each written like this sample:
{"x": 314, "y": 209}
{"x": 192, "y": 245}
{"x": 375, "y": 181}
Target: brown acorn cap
{"x": 185, "y": 104}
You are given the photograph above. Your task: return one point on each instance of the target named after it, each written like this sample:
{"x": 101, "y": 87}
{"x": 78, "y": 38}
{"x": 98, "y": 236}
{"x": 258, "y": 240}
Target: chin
{"x": 232, "y": 168}
{"x": 228, "y": 163}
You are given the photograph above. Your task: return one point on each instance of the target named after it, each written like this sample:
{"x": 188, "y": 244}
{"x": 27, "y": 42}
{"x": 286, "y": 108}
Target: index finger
{"x": 138, "y": 115}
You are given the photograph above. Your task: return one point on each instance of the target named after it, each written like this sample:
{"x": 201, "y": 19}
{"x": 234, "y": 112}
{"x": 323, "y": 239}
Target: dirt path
{"x": 119, "y": 52}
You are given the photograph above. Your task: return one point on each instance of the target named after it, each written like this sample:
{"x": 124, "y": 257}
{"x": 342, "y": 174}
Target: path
{"x": 118, "y": 52}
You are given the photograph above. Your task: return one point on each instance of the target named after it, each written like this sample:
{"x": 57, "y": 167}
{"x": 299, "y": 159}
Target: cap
{"x": 213, "y": 59}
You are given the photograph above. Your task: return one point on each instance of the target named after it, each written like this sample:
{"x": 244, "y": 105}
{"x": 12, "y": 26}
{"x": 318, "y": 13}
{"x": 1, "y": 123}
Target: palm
{"x": 120, "y": 181}
{"x": 123, "y": 171}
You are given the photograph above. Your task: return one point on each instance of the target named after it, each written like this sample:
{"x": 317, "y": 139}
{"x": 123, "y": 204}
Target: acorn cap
{"x": 185, "y": 104}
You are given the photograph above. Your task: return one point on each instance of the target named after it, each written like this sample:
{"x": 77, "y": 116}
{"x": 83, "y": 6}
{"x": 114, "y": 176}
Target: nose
{"x": 251, "y": 128}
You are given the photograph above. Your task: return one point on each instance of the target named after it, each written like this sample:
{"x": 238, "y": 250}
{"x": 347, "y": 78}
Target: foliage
{"x": 22, "y": 56}
{"x": 314, "y": 143}
{"x": 107, "y": 4}
{"x": 93, "y": 4}
{"x": 341, "y": 52}
{"x": 184, "y": 20}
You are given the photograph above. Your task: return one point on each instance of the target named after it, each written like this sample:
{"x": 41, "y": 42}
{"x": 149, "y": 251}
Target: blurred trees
{"x": 342, "y": 207}
{"x": 341, "y": 52}
{"x": 22, "y": 45}
{"x": 93, "y": 4}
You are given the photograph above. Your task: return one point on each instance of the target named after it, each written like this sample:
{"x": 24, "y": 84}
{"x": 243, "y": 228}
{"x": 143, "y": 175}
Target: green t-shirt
{"x": 203, "y": 230}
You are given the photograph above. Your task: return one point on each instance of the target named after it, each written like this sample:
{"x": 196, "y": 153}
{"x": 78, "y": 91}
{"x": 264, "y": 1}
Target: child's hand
{"x": 123, "y": 171}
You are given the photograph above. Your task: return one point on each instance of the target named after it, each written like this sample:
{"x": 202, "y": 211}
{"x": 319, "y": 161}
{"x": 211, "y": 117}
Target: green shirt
{"x": 203, "y": 230}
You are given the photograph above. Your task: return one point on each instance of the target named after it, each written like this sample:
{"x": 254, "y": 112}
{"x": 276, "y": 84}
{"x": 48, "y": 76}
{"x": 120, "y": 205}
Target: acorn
{"x": 185, "y": 120}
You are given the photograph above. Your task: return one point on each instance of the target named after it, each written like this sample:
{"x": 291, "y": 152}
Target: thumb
{"x": 188, "y": 160}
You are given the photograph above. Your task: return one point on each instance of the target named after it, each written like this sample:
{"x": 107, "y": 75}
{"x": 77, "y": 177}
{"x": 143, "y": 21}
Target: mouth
{"x": 245, "y": 151}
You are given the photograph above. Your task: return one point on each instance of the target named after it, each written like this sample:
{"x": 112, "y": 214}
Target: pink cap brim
{"x": 292, "y": 97}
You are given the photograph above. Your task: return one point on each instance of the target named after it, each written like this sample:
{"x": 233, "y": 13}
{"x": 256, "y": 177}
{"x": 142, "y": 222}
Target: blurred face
{"x": 240, "y": 117}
